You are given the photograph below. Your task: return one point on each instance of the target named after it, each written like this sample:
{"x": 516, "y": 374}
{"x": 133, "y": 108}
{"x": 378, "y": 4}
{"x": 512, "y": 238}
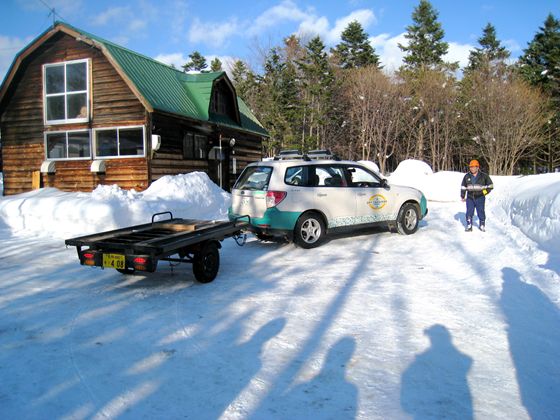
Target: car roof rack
{"x": 288, "y": 154}
{"x": 311, "y": 155}
{"x": 321, "y": 154}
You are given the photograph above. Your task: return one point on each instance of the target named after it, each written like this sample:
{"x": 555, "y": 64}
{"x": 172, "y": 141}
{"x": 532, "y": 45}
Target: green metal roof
{"x": 170, "y": 90}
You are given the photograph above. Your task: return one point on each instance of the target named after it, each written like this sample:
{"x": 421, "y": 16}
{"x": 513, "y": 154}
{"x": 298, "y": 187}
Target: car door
{"x": 374, "y": 202}
{"x": 332, "y": 195}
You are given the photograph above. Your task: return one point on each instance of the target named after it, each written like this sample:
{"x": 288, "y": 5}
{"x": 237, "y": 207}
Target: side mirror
{"x": 384, "y": 183}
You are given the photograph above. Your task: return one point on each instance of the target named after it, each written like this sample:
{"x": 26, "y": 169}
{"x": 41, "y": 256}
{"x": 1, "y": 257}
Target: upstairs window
{"x": 223, "y": 100}
{"x": 66, "y": 92}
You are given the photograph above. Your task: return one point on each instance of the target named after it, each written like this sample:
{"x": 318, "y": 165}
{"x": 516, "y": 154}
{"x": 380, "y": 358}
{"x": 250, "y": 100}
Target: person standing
{"x": 474, "y": 188}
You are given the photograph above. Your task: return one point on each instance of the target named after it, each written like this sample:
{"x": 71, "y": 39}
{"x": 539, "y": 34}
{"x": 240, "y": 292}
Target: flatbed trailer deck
{"x": 141, "y": 247}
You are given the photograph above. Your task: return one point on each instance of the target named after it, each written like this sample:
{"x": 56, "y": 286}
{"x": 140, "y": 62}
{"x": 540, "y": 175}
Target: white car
{"x": 305, "y": 197}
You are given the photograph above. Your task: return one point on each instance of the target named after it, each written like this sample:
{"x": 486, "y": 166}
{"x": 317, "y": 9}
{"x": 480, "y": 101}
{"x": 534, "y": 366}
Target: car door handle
{"x": 321, "y": 195}
{"x": 362, "y": 194}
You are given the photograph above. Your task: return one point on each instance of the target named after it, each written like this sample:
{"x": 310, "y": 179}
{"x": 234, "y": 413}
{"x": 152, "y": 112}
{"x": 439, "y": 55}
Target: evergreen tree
{"x": 355, "y": 50}
{"x": 540, "y": 63}
{"x": 426, "y": 47}
{"x": 317, "y": 86}
{"x": 216, "y": 65}
{"x": 490, "y": 51}
{"x": 244, "y": 80}
{"x": 540, "y": 66}
{"x": 197, "y": 63}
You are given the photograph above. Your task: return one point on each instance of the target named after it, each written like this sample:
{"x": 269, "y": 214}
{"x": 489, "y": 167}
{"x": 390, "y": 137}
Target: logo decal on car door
{"x": 377, "y": 202}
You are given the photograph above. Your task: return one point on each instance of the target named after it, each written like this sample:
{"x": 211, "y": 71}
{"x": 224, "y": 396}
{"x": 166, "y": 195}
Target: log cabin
{"x": 78, "y": 111}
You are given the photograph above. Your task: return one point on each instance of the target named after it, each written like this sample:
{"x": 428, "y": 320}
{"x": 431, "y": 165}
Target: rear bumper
{"x": 271, "y": 221}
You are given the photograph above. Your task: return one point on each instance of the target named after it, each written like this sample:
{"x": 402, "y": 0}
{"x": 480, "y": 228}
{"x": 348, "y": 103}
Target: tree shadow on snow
{"x": 534, "y": 341}
{"x": 435, "y": 384}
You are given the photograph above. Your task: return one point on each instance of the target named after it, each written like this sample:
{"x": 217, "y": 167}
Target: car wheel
{"x": 309, "y": 231}
{"x": 408, "y": 218}
{"x": 206, "y": 262}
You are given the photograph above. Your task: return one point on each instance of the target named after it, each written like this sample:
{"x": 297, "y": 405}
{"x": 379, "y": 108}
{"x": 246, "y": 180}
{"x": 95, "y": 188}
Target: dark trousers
{"x": 478, "y": 204}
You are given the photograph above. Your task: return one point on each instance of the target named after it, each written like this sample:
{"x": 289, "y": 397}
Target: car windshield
{"x": 254, "y": 178}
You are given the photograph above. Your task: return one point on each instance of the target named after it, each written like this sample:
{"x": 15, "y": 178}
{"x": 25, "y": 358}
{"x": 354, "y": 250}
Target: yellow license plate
{"x": 113, "y": 261}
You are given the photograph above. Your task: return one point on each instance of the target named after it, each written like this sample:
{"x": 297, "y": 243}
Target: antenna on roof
{"x": 52, "y": 12}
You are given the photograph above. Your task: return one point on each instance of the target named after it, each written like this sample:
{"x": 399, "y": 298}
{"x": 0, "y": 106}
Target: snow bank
{"x": 532, "y": 204}
{"x": 440, "y": 186}
{"x": 51, "y": 212}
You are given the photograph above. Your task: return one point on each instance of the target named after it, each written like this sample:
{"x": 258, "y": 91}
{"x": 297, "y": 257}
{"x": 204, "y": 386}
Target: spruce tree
{"x": 540, "y": 66}
{"x": 216, "y": 65}
{"x": 540, "y": 63}
{"x": 426, "y": 47}
{"x": 317, "y": 86}
{"x": 490, "y": 51}
{"x": 355, "y": 50}
{"x": 197, "y": 63}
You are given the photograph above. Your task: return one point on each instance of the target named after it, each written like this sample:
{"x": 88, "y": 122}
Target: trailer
{"x": 141, "y": 247}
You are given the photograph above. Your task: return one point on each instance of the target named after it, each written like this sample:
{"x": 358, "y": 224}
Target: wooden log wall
{"x": 168, "y": 160}
{"x": 113, "y": 104}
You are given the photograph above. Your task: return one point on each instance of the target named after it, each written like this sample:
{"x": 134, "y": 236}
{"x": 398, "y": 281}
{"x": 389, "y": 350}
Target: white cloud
{"x": 319, "y": 25}
{"x": 112, "y": 14}
{"x": 175, "y": 59}
{"x": 387, "y": 47}
{"x": 212, "y": 33}
{"x": 458, "y": 52}
{"x": 9, "y": 47}
{"x": 287, "y": 10}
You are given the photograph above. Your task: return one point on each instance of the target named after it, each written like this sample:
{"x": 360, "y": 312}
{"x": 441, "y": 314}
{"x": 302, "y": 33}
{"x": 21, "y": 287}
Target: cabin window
{"x": 66, "y": 92}
{"x": 119, "y": 142}
{"x": 195, "y": 146}
{"x": 68, "y": 145}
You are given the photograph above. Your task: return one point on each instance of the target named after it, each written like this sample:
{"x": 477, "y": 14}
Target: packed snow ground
{"x": 442, "y": 323}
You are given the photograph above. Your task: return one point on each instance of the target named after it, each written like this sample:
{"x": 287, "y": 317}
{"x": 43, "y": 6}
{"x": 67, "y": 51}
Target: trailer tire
{"x": 127, "y": 270}
{"x": 206, "y": 262}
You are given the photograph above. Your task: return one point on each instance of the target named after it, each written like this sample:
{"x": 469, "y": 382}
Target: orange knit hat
{"x": 474, "y": 162}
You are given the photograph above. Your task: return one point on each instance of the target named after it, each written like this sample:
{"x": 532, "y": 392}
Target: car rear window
{"x": 254, "y": 178}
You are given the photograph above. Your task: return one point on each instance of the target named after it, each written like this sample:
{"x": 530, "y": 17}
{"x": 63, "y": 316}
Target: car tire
{"x": 408, "y": 218}
{"x": 206, "y": 262}
{"x": 309, "y": 231}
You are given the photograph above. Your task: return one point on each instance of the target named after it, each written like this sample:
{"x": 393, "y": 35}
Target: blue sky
{"x": 169, "y": 30}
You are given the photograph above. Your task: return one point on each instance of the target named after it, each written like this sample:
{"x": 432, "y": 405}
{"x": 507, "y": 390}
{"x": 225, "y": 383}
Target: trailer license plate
{"x": 113, "y": 261}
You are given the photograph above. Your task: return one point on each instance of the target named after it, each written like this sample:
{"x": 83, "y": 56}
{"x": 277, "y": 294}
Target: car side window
{"x": 362, "y": 178}
{"x": 296, "y": 175}
{"x": 328, "y": 176}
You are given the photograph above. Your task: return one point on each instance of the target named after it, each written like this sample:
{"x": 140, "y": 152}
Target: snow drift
{"x": 60, "y": 214}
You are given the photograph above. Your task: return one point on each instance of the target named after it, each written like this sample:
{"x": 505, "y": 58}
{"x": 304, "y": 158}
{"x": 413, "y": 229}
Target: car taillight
{"x": 273, "y": 198}
{"x": 140, "y": 260}
{"x": 88, "y": 255}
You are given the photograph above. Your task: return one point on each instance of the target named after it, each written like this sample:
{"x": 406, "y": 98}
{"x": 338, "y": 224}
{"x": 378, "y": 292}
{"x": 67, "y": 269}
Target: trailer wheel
{"x": 127, "y": 270}
{"x": 206, "y": 263}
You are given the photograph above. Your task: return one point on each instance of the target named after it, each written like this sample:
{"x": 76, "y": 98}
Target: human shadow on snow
{"x": 328, "y": 395}
{"x": 435, "y": 384}
{"x": 534, "y": 342}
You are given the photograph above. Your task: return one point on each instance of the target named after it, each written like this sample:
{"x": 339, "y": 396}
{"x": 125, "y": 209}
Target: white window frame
{"x": 65, "y": 94}
{"x": 118, "y": 128}
{"x": 66, "y": 132}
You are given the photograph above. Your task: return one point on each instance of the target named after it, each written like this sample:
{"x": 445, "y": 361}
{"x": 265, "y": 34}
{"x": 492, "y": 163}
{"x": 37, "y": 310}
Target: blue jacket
{"x": 474, "y": 187}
